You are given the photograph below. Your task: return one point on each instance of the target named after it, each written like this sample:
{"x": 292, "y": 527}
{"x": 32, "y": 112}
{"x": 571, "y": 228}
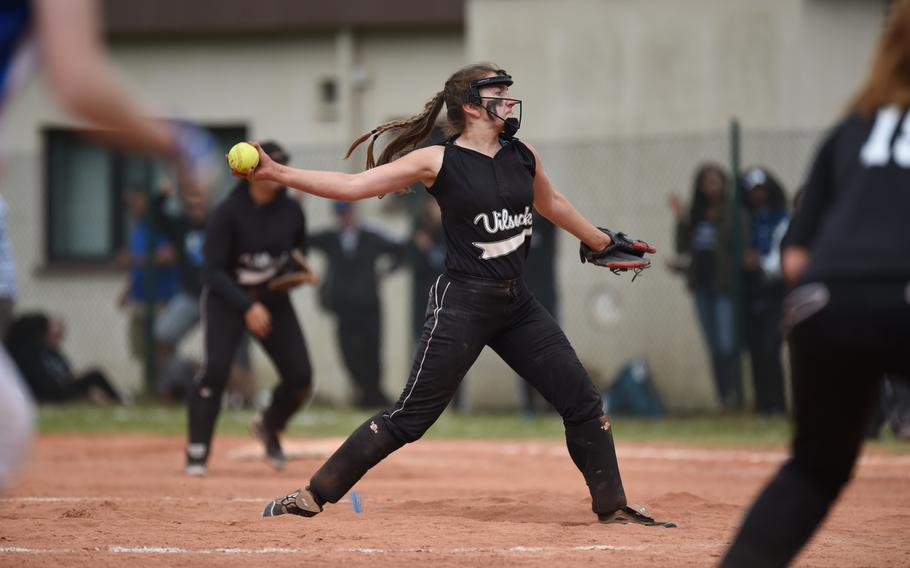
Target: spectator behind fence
{"x": 705, "y": 257}
{"x": 351, "y": 292}
{"x": 764, "y": 287}
{"x": 133, "y": 296}
{"x": 34, "y": 341}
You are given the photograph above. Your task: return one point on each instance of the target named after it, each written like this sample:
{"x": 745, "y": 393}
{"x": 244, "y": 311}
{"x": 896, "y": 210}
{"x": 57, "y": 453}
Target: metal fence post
{"x": 150, "y": 291}
{"x": 737, "y": 242}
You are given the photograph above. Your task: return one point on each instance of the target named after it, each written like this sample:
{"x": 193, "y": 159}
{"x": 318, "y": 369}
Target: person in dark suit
{"x": 350, "y": 291}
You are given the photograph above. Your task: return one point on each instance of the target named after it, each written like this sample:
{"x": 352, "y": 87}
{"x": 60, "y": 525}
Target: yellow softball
{"x": 243, "y": 157}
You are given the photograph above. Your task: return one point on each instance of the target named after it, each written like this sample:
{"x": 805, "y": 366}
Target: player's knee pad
{"x": 592, "y": 450}
{"x": 212, "y": 376}
{"x": 368, "y": 445}
{"x": 585, "y": 409}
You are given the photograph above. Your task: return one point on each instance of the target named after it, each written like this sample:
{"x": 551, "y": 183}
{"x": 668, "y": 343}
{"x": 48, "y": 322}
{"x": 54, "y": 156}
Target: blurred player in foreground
{"x": 849, "y": 316}
{"x": 68, "y": 37}
{"x": 486, "y": 182}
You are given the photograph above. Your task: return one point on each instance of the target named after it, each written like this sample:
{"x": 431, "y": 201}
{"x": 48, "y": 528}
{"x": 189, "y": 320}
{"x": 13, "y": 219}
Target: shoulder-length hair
{"x": 889, "y": 78}
{"x": 699, "y": 204}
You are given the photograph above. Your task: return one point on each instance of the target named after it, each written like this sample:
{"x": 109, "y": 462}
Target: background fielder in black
{"x": 487, "y": 184}
{"x": 849, "y": 250}
{"x": 248, "y": 242}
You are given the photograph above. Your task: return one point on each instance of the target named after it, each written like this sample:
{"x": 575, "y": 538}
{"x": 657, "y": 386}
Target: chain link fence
{"x": 623, "y": 184}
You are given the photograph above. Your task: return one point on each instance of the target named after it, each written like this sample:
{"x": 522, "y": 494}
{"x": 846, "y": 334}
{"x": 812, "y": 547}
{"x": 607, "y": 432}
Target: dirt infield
{"x": 123, "y": 501}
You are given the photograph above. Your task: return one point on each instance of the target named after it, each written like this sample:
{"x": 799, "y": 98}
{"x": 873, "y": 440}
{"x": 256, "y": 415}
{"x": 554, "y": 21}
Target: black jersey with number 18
{"x": 856, "y": 208}
{"x": 486, "y": 206}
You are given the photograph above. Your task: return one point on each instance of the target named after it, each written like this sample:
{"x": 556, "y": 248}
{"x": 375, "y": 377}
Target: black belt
{"x": 483, "y": 282}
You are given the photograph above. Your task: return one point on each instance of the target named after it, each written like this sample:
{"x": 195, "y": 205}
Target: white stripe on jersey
{"x": 504, "y": 247}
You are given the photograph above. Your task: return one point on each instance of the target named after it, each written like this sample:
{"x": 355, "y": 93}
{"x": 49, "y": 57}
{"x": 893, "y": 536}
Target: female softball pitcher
{"x": 486, "y": 182}
{"x": 849, "y": 318}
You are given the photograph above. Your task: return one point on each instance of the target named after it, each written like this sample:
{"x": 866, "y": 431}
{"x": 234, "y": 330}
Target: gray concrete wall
{"x": 271, "y": 85}
{"x": 623, "y": 98}
{"x": 590, "y": 69}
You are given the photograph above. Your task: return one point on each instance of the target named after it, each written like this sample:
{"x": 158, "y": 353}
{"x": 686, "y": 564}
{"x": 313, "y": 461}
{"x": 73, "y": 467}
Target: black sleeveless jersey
{"x": 856, "y": 205}
{"x": 486, "y": 208}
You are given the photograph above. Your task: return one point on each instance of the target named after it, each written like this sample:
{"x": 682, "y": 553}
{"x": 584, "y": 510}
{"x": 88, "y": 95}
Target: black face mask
{"x": 511, "y": 124}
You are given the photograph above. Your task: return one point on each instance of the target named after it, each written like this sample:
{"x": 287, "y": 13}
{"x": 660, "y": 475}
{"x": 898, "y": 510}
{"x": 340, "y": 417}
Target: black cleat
{"x": 629, "y": 515}
{"x": 300, "y": 502}
{"x": 273, "y": 452}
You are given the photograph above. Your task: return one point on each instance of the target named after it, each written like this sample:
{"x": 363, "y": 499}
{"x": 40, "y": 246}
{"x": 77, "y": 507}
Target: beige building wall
{"x": 622, "y": 98}
{"x": 588, "y": 69}
{"x": 272, "y": 86}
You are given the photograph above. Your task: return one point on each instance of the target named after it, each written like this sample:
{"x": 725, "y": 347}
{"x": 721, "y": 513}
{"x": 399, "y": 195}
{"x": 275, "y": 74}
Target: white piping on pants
{"x": 429, "y": 339}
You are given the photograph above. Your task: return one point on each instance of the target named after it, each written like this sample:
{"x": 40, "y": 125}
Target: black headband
{"x": 501, "y": 78}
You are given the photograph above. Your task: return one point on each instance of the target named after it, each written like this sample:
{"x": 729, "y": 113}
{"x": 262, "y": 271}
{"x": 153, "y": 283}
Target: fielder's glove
{"x": 295, "y": 272}
{"x": 624, "y": 253}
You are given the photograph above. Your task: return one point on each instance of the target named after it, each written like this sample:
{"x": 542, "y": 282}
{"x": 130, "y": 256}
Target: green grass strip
{"x": 722, "y": 430}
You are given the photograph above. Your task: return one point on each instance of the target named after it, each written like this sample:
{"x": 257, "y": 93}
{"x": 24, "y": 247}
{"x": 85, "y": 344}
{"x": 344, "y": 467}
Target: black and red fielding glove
{"x": 622, "y": 254}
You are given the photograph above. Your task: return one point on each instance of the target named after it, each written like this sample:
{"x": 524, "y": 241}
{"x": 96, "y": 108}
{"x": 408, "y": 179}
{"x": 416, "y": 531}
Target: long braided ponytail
{"x": 414, "y": 130}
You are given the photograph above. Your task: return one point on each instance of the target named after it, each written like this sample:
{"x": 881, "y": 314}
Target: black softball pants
{"x": 463, "y": 316}
{"x": 223, "y": 327}
{"x": 844, "y": 338}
